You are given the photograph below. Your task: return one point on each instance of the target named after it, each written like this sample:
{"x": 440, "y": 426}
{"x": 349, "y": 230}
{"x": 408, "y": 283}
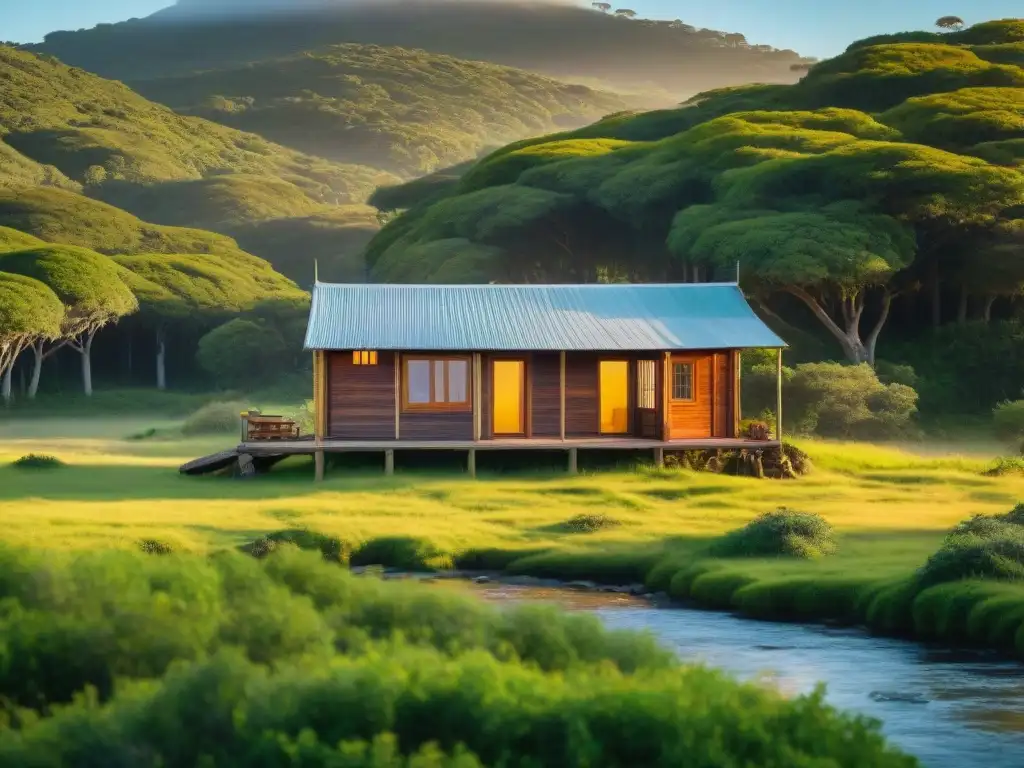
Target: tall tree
{"x": 626, "y": 13}
{"x": 89, "y": 286}
{"x": 602, "y": 7}
{"x": 832, "y": 259}
{"x": 29, "y": 312}
{"x": 953, "y": 23}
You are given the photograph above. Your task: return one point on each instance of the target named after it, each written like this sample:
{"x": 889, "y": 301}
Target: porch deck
{"x": 329, "y": 445}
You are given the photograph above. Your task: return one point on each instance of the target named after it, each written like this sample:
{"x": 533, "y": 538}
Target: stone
{"x": 482, "y": 580}
{"x": 580, "y": 585}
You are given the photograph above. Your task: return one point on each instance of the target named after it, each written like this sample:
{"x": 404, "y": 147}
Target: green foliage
{"x": 155, "y": 547}
{"x": 215, "y": 418}
{"x": 242, "y": 353}
{"x": 835, "y": 400}
{"x": 407, "y": 553}
{"x": 13, "y": 240}
{"x": 980, "y": 548}
{"x": 1004, "y": 466}
{"x": 38, "y": 461}
{"x": 590, "y": 522}
{"x": 29, "y": 311}
{"x": 1008, "y": 418}
{"x": 399, "y": 109}
{"x": 331, "y": 548}
{"x": 783, "y": 533}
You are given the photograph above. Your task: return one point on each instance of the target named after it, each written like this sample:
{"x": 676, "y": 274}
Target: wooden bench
{"x": 260, "y": 427}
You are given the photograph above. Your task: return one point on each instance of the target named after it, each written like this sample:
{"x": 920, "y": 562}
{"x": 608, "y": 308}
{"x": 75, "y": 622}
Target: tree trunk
{"x": 961, "y": 310}
{"x": 86, "y": 352}
{"x": 848, "y": 335}
{"x": 37, "y": 370}
{"x": 986, "y": 311}
{"x": 5, "y": 385}
{"x": 161, "y": 361}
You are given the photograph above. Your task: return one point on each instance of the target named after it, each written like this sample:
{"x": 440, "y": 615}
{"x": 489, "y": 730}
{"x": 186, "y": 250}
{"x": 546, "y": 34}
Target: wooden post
{"x": 659, "y": 457}
{"x": 666, "y": 392}
{"x": 573, "y": 463}
{"x": 477, "y": 400}
{"x": 471, "y": 462}
{"x": 398, "y": 395}
{"x": 561, "y": 394}
{"x": 778, "y": 396}
{"x": 318, "y": 460}
{"x": 737, "y": 395}
{"x": 389, "y": 462}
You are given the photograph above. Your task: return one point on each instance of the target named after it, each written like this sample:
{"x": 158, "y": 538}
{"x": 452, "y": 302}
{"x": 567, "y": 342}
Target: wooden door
{"x": 508, "y": 398}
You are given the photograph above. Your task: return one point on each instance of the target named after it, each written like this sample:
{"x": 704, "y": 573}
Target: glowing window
{"x": 364, "y": 357}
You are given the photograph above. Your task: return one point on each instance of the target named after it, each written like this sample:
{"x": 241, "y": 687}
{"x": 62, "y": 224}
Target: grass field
{"x": 891, "y": 507}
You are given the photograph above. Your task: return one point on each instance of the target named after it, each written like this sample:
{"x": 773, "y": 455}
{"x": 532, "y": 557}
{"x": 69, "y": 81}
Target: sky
{"x": 811, "y": 27}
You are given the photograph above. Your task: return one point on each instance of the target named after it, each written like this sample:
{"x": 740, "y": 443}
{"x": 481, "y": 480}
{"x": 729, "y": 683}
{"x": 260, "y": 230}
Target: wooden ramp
{"x": 212, "y": 463}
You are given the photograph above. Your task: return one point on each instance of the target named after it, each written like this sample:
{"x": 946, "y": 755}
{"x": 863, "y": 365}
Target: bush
{"x": 783, "y": 533}
{"x": 590, "y": 523}
{"x": 406, "y": 553}
{"x": 38, "y": 461}
{"x": 331, "y": 548}
{"x": 155, "y": 547}
{"x": 847, "y": 401}
{"x": 215, "y": 419}
{"x": 896, "y": 373}
{"x": 1008, "y": 419}
{"x": 985, "y": 546}
{"x": 1006, "y": 465}
{"x": 242, "y": 354}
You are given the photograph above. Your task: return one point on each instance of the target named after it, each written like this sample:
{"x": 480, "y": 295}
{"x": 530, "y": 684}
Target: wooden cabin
{"x": 472, "y": 367}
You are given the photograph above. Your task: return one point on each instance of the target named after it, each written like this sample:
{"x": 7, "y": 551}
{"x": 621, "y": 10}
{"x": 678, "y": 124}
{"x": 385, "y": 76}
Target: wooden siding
{"x": 361, "y": 402}
{"x": 544, "y": 376}
{"x": 582, "y": 400}
{"x": 722, "y": 421}
{"x": 430, "y": 425}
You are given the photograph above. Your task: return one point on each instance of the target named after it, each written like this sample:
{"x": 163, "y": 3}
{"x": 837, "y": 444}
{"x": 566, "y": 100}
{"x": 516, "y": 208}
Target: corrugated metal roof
{"x": 595, "y": 317}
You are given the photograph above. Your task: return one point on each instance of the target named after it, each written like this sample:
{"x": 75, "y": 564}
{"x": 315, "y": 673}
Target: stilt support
{"x": 573, "y": 464}
{"x": 318, "y": 460}
{"x": 389, "y": 462}
{"x": 659, "y": 457}
{"x": 471, "y": 462}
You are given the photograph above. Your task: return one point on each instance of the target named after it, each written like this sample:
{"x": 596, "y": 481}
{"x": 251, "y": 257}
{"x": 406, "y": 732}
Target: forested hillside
{"x": 557, "y": 39}
{"x": 405, "y": 111}
{"x": 889, "y": 182}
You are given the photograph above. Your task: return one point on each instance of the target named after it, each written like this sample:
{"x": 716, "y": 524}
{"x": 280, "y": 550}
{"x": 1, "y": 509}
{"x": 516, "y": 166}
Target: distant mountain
{"x": 406, "y": 111}
{"x": 556, "y": 39}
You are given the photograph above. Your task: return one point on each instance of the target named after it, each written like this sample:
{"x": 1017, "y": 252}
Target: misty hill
{"x": 556, "y": 39}
{"x": 95, "y": 139}
{"x": 406, "y": 111}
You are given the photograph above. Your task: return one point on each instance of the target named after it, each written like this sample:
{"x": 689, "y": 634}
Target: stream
{"x": 950, "y": 709}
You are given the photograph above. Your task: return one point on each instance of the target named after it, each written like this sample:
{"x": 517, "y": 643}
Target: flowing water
{"x": 951, "y": 710}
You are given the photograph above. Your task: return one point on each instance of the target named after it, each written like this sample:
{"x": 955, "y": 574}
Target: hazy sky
{"x": 812, "y": 27}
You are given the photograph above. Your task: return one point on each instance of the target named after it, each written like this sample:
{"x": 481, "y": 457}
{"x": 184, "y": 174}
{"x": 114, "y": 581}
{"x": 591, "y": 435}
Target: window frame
{"x": 692, "y": 365}
{"x": 371, "y": 357}
{"x": 434, "y": 406}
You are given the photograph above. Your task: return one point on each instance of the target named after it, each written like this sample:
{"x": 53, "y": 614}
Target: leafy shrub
{"x": 798, "y": 459}
{"x": 590, "y": 523}
{"x": 848, "y": 401}
{"x": 755, "y": 430}
{"x": 783, "y": 533}
{"x": 984, "y": 546}
{"x": 896, "y": 373}
{"x": 407, "y": 553}
{"x": 331, "y": 548}
{"x": 38, "y": 461}
{"x": 214, "y": 419}
{"x": 242, "y": 353}
{"x": 155, "y": 547}
{"x": 1008, "y": 418}
{"x": 1006, "y": 465}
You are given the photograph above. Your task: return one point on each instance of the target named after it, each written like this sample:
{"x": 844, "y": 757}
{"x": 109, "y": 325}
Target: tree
{"x": 830, "y": 258}
{"x": 953, "y": 23}
{"x": 625, "y": 13}
{"x": 89, "y": 286}
{"x": 29, "y": 312}
{"x": 241, "y": 353}
{"x": 180, "y": 293}
{"x": 602, "y": 7}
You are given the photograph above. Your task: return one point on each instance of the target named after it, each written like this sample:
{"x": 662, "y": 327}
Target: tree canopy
{"x": 29, "y": 311}
{"x": 891, "y": 165}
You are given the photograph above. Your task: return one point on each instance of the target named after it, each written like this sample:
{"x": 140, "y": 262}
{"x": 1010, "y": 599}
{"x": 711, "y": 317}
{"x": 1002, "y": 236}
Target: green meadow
{"x": 891, "y": 507}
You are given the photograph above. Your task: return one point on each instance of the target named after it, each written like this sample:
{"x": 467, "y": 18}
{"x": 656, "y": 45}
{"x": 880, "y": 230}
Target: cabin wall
{"x": 361, "y": 398}
{"x": 544, "y": 371}
{"x": 710, "y": 414}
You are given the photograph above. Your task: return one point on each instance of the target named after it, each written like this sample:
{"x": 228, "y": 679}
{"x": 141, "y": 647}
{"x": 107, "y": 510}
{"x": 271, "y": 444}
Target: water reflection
{"x": 951, "y": 709}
